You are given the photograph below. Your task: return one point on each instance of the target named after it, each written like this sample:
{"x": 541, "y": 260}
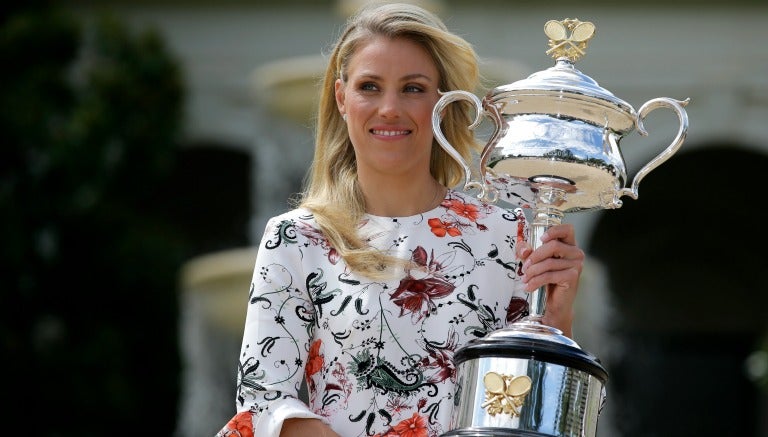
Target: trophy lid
{"x": 562, "y": 90}
{"x": 532, "y": 340}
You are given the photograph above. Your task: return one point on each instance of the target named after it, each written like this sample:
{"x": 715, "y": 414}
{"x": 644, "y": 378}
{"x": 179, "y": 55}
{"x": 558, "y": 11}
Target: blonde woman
{"x": 367, "y": 288}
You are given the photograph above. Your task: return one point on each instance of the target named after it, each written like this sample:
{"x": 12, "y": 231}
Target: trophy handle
{"x": 661, "y": 102}
{"x": 485, "y": 191}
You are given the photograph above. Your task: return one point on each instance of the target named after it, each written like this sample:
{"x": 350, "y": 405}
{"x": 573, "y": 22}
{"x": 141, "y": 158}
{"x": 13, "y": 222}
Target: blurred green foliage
{"x": 89, "y": 117}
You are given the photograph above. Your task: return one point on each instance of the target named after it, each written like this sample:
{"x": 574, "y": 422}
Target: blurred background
{"x": 145, "y": 143}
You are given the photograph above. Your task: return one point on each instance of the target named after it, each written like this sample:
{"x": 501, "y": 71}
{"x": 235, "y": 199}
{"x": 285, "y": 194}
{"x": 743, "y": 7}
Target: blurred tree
{"x": 89, "y": 117}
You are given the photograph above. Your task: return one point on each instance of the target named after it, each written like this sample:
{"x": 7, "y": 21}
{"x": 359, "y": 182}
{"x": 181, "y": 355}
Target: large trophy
{"x": 554, "y": 149}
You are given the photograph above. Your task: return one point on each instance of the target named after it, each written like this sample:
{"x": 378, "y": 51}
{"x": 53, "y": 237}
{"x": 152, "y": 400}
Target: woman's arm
{"x": 306, "y": 428}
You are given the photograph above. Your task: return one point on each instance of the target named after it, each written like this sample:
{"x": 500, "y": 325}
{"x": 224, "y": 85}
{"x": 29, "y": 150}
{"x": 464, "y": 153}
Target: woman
{"x": 369, "y": 286}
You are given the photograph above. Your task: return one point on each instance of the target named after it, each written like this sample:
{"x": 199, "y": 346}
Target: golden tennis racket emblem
{"x": 568, "y": 38}
{"x": 505, "y": 394}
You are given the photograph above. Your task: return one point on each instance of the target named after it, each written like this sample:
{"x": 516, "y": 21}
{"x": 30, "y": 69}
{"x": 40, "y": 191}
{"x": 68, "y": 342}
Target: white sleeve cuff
{"x": 270, "y": 422}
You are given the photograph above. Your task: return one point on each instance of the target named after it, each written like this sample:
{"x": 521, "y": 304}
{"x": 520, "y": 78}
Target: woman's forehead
{"x": 397, "y": 55}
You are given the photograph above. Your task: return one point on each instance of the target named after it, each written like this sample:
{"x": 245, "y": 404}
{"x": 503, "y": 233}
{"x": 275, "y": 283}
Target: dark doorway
{"x": 210, "y": 196}
{"x": 686, "y": 265}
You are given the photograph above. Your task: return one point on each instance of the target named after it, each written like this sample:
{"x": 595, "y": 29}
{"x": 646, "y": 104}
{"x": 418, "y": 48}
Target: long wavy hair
{"x": 332, "y": 192}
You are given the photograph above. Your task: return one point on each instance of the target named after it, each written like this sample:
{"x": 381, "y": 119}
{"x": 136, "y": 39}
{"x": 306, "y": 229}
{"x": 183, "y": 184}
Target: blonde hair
{"x": 332, "y": 192}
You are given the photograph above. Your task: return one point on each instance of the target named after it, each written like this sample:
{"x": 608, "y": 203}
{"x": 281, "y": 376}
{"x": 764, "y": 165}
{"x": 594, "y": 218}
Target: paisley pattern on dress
{"x": 377, "y": 356}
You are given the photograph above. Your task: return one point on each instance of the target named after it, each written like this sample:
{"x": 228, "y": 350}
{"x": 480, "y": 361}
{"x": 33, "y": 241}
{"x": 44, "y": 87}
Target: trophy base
{"x": 526, "y": 380}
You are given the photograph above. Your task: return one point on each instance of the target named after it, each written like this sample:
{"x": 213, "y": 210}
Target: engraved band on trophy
{"x": 554, "y": 149}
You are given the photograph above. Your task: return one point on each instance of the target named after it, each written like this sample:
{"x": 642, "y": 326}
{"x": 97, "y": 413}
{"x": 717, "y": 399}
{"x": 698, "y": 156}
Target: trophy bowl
{"x": 554, "y": 149}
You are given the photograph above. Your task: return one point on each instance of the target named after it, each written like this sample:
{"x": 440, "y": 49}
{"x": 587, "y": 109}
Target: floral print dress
{"x": 376, "y": 355}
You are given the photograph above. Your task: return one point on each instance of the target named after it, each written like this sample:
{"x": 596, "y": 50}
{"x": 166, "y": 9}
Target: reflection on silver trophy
{"x": 554, "y": 149}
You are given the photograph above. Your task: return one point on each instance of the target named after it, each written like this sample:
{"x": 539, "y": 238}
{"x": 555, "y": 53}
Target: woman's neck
{"x": 402, "y": 198}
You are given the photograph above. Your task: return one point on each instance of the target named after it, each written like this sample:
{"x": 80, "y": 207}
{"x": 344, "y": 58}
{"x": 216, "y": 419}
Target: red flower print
{"x": 333, "y": 256}
{"x": 419, "y": 256}
{"x": 520, "y": 225}
{"x": 317, "y": 238}
{"x": 315, "y": 360}
{"x": 443, "y": 361}
{"x": 416, "y": 426}
{"x": 441, "y": 228}
{"x": 397, "y": 404}
{"x": 421, "y": 403}
{"x": 415, "y": 295}
{"x": 466, "y": 210}
{"x": 240, "y": 425}
{"x": 441, "y": 358}
{"x": 517, "y": 309}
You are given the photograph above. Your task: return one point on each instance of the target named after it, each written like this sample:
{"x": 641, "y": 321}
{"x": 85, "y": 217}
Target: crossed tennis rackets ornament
{"x": 568, "y": 38}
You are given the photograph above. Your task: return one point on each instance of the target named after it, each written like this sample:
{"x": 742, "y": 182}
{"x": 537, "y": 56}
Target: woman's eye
{"x": 368, "y": 87}
{"x": 413, "y": 89}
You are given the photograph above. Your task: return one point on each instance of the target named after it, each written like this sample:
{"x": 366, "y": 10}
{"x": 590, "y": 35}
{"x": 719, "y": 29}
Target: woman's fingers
{"x": 556, "y": 264}
{"x": 557, "y": 261}
{"x": 562, "y": 232}
{"x": 563, "y": 274}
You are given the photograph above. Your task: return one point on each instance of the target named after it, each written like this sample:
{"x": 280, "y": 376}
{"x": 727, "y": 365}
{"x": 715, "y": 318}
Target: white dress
{"x": 377, "y": 355}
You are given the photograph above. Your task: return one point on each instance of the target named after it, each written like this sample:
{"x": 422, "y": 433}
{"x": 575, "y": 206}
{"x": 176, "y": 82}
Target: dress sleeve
{"x": 278, "y": 327}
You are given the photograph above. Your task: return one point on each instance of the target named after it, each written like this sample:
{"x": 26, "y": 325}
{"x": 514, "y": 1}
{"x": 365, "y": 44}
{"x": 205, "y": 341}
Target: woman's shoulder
{"x": 294, "y": 218}
{"x": 297, "y": 214}
{"x": 296, "y": 227}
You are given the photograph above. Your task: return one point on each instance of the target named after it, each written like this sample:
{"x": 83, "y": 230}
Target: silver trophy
{"x": 554, "y": 149}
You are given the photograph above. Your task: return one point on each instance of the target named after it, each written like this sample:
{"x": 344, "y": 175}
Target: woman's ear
{"x": 339, "y": 91}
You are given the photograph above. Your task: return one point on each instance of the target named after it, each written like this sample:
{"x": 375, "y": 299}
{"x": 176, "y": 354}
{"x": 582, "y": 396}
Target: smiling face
{"x": 388, "y": 94}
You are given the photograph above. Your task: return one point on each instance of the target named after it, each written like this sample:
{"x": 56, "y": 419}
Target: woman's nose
{"x": 390, "y": 105}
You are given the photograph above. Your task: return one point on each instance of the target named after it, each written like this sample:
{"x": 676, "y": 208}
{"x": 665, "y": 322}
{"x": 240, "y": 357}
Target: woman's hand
{"x": 306, "y": 427}
{"x": 556, "y": 264}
